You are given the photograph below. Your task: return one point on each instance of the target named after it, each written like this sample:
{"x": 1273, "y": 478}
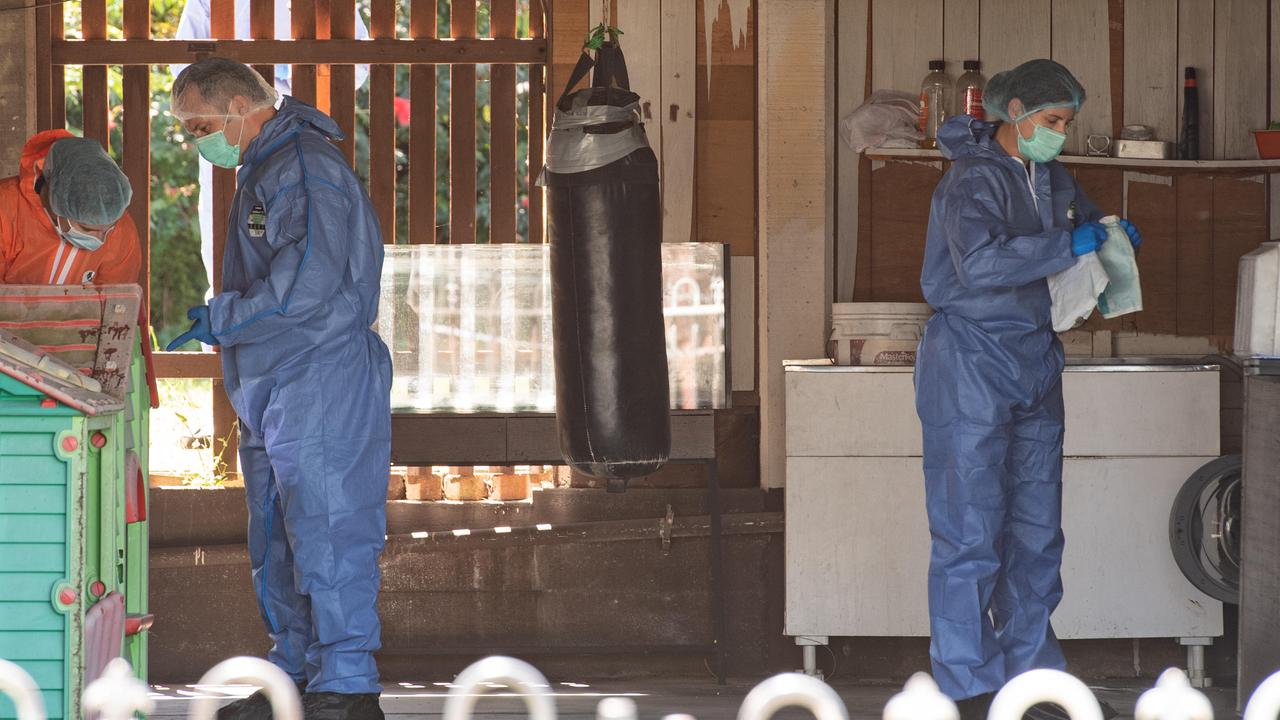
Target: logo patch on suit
{"x": 257, "y": 220}
{"x": 88, "y": 277}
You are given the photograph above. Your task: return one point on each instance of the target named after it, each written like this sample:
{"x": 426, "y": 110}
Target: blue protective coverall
{"x": 311, "y": 384}
{"x": 989, "y": 394}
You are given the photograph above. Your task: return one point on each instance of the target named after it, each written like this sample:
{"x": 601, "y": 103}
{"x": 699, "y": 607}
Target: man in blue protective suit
{"x": 307, "y": 377}
{"x": 988, "y": 380}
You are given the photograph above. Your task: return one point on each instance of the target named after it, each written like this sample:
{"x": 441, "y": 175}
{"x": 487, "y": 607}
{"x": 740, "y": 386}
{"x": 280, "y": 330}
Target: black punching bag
{"x": 605, "y": 224}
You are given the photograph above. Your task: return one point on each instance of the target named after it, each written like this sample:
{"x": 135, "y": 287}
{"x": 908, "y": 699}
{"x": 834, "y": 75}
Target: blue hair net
{"x": 1039, "y": 84}
{"x": 85, "y": 184}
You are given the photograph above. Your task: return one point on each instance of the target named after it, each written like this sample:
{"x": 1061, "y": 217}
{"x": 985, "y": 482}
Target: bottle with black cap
{"x": 935, "y": 102}
{"x": 969, "y": 91}
{"x": 1189, "y": 143}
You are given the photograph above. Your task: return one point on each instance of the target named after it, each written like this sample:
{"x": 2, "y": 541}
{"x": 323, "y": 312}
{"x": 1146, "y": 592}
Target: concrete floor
{"x": 656, "y": 698}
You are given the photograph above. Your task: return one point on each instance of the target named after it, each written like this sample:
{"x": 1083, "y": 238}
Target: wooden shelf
{"x": 1128, "y": 163}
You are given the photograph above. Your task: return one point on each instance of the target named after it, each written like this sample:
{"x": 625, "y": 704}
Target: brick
{"x": 465, "y": 487}
{"x": 509, "y": 487}
{"x": 395, "y": 486}
{"x": 421, "y": 484}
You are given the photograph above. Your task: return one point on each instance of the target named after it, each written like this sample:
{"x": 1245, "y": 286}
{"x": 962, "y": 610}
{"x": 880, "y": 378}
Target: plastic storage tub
{"x": 876, "y": 333}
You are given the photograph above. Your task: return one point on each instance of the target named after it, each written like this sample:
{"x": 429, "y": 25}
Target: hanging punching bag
{"x": 605, "y": 225}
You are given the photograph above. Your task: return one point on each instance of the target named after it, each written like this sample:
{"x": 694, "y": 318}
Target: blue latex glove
{"x": 200, "y": 330}
{"x": 1135, "y": 237}
{"x": 1087, "y": 238}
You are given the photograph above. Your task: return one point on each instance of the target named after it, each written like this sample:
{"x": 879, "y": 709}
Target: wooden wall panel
{"x": 1239, "y": 226}
{"x": 1195, "y": 49}
{"x": 1195, "y": 276}
{"x": 960, "y": 34}
{"x": 1240, "y": 98}
{"x": 900, "y": 197}
{"x": 679, "y": 123}
{"x": 1149, "y": 199}
{"x": 1151, "y": 79}
{"x": 851, "y": 80}
{"x": 910, "y": 35}
{"x": 725, "y": 164}
{"x": 1081, "y": 41}
{"x": 1013, "y": 32}
{"x": 641, "y": 21}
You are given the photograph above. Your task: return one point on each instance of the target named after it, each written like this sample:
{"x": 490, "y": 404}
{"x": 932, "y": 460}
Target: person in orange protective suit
{"x": 62, "y": 217}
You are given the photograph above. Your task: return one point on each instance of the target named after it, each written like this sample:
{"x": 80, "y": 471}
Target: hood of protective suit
{"x": 33, "y": 154}
{"x": 963, "y": 136}
{"x": 290, "y": 118}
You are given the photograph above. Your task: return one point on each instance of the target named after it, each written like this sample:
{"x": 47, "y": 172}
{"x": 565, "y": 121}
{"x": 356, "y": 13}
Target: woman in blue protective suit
{"x": 988, "y": 379}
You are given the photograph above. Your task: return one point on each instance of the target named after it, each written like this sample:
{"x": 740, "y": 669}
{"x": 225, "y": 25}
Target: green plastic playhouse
{"x": 74, "y": 403}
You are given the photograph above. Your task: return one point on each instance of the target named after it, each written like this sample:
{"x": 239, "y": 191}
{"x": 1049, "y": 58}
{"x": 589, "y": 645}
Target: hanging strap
{"x": 611, "y": 67}
{"x": 585, "y": 63}
{"x": 610, "y": 70}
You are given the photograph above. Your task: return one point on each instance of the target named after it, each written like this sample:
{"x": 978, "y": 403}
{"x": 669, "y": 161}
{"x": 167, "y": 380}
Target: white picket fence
{"x": 117, "y": 695}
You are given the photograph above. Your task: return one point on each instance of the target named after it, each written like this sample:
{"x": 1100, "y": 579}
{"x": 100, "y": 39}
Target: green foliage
{"x": 177, "y": 273}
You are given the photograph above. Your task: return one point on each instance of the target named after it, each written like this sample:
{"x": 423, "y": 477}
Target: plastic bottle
{"x": 1189, "y": 145}
{"x": 969, "y": 91}
{"x": 935, "y": 102}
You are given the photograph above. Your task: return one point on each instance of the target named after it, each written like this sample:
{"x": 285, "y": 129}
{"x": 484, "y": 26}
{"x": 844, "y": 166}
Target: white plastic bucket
{"x": 876, "y": 333}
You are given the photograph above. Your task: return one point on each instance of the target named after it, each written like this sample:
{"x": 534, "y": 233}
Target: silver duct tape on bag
{"x": 570, "y": 149}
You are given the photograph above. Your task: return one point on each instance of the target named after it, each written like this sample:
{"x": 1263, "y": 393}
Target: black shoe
{"x": 1046, "y": 711}
{"x": 975, "y": 708}
{"x": 341, "y": 706}
{"x": 254, "y": 707}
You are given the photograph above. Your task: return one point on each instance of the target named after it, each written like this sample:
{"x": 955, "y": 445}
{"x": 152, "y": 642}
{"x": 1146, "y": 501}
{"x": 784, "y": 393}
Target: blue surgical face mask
{"x": 1044, "y": 144}
{"x": 79, "y": 239}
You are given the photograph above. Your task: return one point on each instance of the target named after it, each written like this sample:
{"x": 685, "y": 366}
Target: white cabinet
{"x": 857, "y": 540}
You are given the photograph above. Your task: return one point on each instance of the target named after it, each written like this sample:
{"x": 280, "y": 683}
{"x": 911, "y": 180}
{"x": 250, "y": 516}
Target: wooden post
{"x": 422, "y": 132}
{"x": 537, "y": 124}
{"x": 95, "y": 105}
{"x": 225, "y": 443}
{"x": 382, "y": 125}
{"x": 303, "y": 82}
{"x": 794, "y": 239}
{"x": 342, "y": 91}
{"x": 262, "y": 26}
{"x": 502, "y": 131}
{"x": 137, "y": 140}
{"x": 462, "y": 131}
